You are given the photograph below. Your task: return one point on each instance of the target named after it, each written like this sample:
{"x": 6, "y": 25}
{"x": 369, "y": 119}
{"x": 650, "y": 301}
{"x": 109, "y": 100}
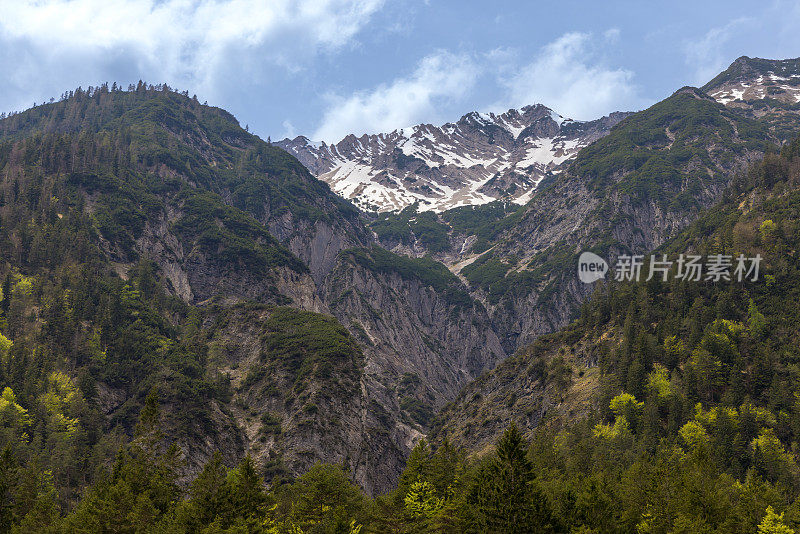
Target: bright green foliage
{"x": 625, "y": 405}
{"x": 12, "y": 414}
{"x": 61, "y": 398}
{"x": 421, "y": 500}
{"x": 626, "y": 410}
{"x": 774, "y": 524}
{"x": 770, "y": 457}
{"x": 658, "y": 382}
{"x": 620, "y": 428}
{"x": 431, "y": 495}
{"x": 694, "y": 435}
{"x": 767, "y": 228}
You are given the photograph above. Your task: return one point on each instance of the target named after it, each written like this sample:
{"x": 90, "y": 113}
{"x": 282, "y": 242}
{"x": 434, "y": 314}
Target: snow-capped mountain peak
{"x": 477, "y": 159}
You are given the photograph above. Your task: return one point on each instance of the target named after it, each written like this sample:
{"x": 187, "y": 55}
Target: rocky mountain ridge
{"x": 480, "y": 158}
{"x": 751, "y": 79}
{"x": 570, "y": 375}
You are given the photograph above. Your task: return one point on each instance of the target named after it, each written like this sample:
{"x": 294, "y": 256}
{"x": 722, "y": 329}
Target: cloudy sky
{"x": 325, "y": 68}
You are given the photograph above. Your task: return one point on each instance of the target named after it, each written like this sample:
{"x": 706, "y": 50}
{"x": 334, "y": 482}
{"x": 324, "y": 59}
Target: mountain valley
{"x": 197, "y": 321}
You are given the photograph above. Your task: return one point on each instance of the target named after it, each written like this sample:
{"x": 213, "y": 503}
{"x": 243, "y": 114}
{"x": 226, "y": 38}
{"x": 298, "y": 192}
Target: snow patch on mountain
{"x": 480, "y": 158}
{"x": 751, "y": 79}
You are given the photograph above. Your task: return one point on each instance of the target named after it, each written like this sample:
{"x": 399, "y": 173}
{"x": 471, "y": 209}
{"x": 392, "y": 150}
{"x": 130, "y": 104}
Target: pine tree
{"x": 6, "y": 302}
{"x": 208, "y": 491}
{"x": 416, "y": 466}
{"x": 8, "y": 482}
{"x": 247, "y": 494}
{"x": 325, "y": 500}
{"x": 508, "y": 499}
{"x": 149, "y": 425}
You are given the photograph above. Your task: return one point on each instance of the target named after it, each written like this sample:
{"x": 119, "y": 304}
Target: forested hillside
{"x": 121, "y": 211}
{"x": 152, "y": 245}
{"x": 691, "y": 425}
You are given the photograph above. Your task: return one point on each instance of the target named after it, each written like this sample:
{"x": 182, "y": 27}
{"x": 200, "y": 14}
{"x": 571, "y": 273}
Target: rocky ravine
{"x": 252, "y": 243}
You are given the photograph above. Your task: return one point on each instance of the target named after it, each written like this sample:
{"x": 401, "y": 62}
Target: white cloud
{"x": 710, "y": 55}
{"x": 501, "y": 60}
{"x": 185, "y": 42}
{"x": 612, "y": 34}
{"x": 570, "y": 76}
{"x": 438, "y": 78}
{"x": 289, "y": 129}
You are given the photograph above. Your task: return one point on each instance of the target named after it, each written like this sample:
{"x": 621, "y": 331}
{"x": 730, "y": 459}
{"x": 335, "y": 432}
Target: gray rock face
{"x": 317, "y": 245}
{"x": 289, "y": 423}
{"x": 420, "y": 348}
{"x": 408, "y": 327}
{"x": 479, "y": 158}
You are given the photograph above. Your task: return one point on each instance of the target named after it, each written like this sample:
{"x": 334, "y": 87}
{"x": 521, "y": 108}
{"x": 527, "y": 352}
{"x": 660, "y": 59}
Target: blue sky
{"x": 325, "y": 68}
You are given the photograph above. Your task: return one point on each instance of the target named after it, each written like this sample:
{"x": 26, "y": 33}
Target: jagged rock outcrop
{"x": 410, "y": 326}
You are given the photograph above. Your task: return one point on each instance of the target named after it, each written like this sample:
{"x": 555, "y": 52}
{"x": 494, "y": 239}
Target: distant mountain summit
{"x": 749, "y": 79}
{"x": 767, "y": 90}
{"x": 480, "y": 158}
